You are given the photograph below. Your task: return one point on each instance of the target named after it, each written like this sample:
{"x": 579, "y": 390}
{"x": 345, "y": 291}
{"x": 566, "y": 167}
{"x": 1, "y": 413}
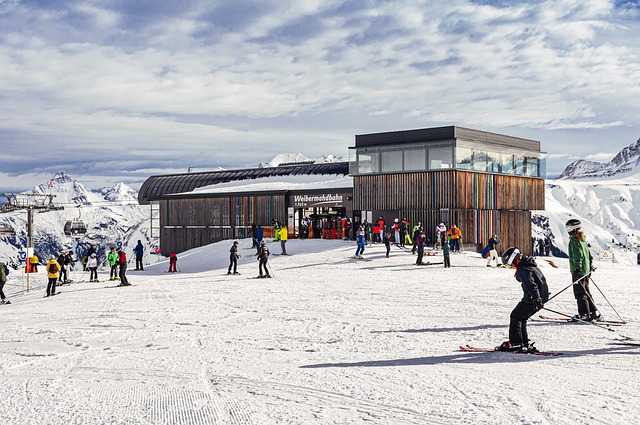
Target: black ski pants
{"x": 123, "y": 274}
{"x": 2, "y": 296}
{"x": 518, "y": 326}
{"x": 263, "y": 263}
{"x": 233, "y": 262}
{"x": 139, "y": 265}
{"x": 583, "y": 295}
{"x": 420, "y": 254}
{"x": 51, "y": 287}
{"x": 447, "y": 260}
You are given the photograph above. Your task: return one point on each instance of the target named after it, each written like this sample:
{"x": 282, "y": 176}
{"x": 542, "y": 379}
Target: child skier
{"x": 233, "y": 258}
{"x": 263, "y": 257}
{"x": 536, "y": 293}
{"x": 387, "y": 243}
{"x": 446, "y": 253}
{"x": 112, "y": 259}
{"x": 361, "y": 242}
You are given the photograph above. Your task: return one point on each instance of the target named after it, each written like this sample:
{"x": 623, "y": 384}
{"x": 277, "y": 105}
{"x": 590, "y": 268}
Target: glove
{"x": 538, "y": 303}
{"x": 593, "y": 269}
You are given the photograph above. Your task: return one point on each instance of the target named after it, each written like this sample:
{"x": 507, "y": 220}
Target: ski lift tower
{"x": 29, "y": 202}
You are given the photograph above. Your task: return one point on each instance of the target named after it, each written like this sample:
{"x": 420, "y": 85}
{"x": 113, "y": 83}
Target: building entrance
{"x": 320, "y": 223}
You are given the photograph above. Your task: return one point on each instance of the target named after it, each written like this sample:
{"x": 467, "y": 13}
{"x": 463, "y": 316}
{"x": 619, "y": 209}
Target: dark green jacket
{"x": 580, "y": 257}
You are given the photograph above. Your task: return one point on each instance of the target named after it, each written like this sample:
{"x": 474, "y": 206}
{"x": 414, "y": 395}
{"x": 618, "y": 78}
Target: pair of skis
{"x": 548, "y": 319}
{"x": 471, "y": 349}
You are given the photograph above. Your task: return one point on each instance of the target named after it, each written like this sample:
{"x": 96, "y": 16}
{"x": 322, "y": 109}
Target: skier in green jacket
{"x": 581, "y": 266}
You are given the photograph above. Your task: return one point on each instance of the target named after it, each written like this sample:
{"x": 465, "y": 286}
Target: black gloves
{"x": 593, "y": 268}
{"x": 538, "y": 303}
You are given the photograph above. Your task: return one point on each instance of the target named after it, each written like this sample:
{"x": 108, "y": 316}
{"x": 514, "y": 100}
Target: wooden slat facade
{"x": 481, "y": 205}
{"x": 187, "y": 223}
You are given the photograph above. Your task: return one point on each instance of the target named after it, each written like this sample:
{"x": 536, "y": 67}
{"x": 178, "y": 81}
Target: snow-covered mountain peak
{"x": 284, "y": 158}
{"x": 625, "y": 163}
{"x": 288, "y": 158}
{"x": 119, "y": 193}
{"x": 68, "y": 191}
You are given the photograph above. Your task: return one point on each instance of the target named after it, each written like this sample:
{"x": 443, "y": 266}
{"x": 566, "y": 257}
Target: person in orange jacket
{"x": 455, "y": 235}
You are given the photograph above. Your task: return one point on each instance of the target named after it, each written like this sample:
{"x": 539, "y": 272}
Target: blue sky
{"x": 117, "y": 90}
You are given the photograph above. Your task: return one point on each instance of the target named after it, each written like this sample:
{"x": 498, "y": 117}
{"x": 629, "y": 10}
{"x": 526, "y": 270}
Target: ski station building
{"x": 485, "y": 183}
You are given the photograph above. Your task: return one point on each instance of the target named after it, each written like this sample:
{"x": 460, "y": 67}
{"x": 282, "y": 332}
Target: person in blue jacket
{"x": 139, "y": 251}
{"x": 259, "y": 237}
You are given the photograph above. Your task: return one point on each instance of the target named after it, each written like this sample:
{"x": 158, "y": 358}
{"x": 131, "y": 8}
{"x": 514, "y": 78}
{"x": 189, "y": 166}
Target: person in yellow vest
{"x": 283, "y": 235}
{"x": 34, "y": 263}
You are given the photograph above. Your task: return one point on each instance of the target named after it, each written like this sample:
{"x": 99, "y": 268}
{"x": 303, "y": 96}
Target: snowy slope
{"x": 328, "y": 340}
{"x": 609, "y": 210}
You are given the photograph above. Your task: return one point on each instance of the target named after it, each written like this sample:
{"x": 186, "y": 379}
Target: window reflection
{"x": 440, "y": 158}
{"x": 391, "y": 161}
{"x": 423, "y": 157}
{"x": 415, "y": 159}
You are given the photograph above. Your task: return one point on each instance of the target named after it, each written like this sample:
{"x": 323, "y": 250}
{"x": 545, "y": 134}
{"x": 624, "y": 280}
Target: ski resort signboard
{"x": 317, "y": 200}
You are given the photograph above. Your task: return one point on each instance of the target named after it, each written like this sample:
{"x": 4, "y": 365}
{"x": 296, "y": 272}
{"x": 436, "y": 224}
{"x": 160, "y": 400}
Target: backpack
{"x": 53, "y": 268}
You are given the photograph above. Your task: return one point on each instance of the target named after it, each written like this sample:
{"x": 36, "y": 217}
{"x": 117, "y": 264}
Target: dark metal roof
{"x": 156, "y": 187}
{"x": 436, "y": 134}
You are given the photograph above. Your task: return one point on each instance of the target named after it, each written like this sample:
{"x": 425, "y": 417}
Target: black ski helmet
{"x": 572, "y": 225}
{"x": 510, "y": 255}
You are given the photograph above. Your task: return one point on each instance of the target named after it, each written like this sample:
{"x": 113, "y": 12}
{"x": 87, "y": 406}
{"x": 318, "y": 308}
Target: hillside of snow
{"x": 605, "y": 198}
{"x": 327, "y": 340}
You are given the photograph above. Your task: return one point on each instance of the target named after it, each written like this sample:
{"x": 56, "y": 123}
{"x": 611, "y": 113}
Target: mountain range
{"x": 112, "y": 216}
{"x": 625, "y": 163}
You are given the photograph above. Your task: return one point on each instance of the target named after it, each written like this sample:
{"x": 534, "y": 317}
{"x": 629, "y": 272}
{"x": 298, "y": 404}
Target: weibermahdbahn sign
{"x": 317, "y": 200}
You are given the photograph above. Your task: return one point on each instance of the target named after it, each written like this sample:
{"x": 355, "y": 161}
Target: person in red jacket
{"x": 122, "y": 262}
{"x": 173, "y": 260}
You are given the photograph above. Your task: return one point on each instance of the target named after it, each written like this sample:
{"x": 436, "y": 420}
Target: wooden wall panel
{"x": 494, "y": 191}
{"x": 447, "y": 189}
{"x": 187, "y": 223}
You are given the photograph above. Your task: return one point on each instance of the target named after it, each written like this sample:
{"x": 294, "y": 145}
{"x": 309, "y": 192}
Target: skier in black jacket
{"x": 263, "y": 257}
{"x": 233, "y": 258}
{"x": 536, "y": 293}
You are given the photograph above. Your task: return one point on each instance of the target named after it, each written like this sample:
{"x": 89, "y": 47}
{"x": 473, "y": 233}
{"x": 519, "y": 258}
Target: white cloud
{"x": 183, "y": 80}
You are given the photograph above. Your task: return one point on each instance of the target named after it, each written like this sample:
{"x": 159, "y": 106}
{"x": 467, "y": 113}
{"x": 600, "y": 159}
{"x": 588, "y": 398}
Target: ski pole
{"x": 567, "y": 287}
{"x": 601, "y": 293}
{"x": 586, "y": 321}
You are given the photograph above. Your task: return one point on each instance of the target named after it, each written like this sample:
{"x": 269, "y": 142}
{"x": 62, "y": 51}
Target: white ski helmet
{"x": 572, "y": 224}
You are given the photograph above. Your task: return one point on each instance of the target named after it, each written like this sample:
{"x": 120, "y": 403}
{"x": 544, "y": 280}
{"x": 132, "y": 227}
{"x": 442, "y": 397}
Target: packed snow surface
{"x": 327, "y": 340}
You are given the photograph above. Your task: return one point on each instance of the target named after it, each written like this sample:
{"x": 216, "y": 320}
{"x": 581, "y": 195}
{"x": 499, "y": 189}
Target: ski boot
{"x": 505, "y": 346}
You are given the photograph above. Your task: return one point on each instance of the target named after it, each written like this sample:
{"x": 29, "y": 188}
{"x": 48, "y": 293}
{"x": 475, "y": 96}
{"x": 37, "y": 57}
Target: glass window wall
{"x": 440, "y": 157}
{"x": 391, "y": 161}
{"x": 415, "y": 159}
{"x": 464, "y": 158}
{"x": 368, "y": 163}
{"x": 470, "y": 156}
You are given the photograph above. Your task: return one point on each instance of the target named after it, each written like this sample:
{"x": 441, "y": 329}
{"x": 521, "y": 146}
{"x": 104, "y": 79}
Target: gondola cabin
{"x": 75, "y": 228}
